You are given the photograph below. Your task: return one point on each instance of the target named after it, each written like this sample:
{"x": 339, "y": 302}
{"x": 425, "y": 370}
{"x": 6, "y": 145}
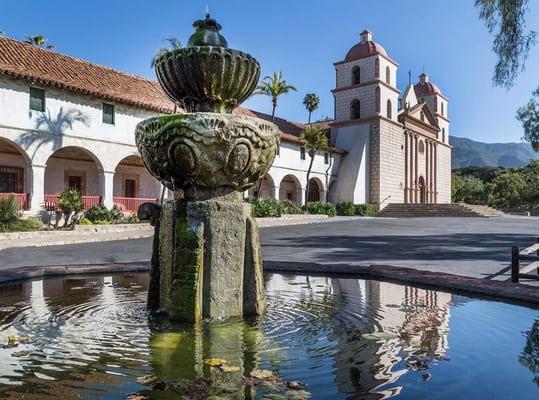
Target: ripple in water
{"x": 91, "y": 337}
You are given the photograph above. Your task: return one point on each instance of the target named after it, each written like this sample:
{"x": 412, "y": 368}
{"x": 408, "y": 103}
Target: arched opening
{"x": 422, "y": 116}
{"x": 266, "y": 188}
{"x": 355, "y": 109}
{"x": 422, "y": 193}
{"x": 356, "y": 75}
{"x": 388, "y": 75}
{"x": 443, "y": 135}
{"x": 15, "y": 173}
{"x": 377, "y": 99}
{"x": 290, "y": 189}
{"x": 389, "y": 111}
{"x": 133, "y": 184}
{"x": 377, "y": 68}
{"x": 442, "y": 106}
{"x": 315, "y": 190}
{"x": 72, "y": 168}
{"x": 421, "y": 147}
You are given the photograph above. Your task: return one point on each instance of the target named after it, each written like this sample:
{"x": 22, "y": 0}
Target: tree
{"x": 311, "y": 102}
{"x": 468, "y": 189}
{"x": 38, "y": 40}
{"x": 528, "y": 115}
{"x": 316, "y": 139}
{"x": 507, "y": 190}
{"x": 506, "y": 20}
{"x": 274, "y": 86}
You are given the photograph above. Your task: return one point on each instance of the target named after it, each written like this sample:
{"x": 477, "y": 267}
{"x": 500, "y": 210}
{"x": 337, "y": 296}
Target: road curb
{"x": 494, "y": 289}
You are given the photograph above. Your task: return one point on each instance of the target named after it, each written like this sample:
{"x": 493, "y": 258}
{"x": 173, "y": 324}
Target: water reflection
{"x": 345, "y": 338}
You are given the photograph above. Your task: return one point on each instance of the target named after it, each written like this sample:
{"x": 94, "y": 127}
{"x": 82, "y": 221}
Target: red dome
{"x": 423, "y": 89}
{"x": 365, "y": 49}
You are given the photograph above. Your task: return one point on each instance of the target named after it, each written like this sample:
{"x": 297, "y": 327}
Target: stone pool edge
{"x": 496, "y": 289}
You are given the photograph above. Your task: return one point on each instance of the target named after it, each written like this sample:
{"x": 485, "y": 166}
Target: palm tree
{"x": 174, "y": 44}
{"x": 311, "y": 102}
{"x": 274, "y": 86}
{"x": 316, "y": 139}
{"x": 38, "y": 40}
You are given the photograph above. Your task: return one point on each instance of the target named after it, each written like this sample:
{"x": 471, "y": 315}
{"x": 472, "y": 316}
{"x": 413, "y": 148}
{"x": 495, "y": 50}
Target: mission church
{"x": 66, "y": 122}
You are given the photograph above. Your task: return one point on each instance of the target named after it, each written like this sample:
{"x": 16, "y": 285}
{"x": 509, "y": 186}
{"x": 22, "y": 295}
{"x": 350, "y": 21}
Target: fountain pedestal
{"x": 210, "y": 259}
{"x": 206, "y": 260}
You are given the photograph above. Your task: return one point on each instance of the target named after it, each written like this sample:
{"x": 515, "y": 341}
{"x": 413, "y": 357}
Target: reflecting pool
{"x": 344, "y": 338}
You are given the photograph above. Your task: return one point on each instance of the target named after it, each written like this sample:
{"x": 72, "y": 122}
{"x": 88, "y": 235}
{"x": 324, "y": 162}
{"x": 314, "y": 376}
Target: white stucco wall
{"x": 353, "y": 175}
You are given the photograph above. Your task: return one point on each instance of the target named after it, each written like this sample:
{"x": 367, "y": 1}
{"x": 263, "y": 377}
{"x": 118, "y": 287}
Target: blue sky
{"x": 303, "y": 38}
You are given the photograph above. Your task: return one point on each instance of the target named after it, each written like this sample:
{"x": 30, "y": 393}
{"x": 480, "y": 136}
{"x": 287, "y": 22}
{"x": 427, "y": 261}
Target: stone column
{"x": 406, "y": 167}
{"x": 431, "y": 149}
{"x": 276, "y": 192}
{"x": 106, "y": 183}
{"x": 37, "y": 188}
{"x": 301, "y": 193}
{"x": 435, "y": 173}
{"x": 416, "y": 153}
{"x": 427, "y": 171}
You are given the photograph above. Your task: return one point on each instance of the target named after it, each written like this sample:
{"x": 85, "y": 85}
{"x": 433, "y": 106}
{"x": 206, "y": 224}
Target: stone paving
{"x": 473, "y": 247}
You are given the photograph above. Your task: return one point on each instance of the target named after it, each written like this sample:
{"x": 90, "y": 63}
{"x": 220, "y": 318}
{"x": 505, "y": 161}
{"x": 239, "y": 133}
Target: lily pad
{"x": 215, "y": 362}
{"x": 264, "y": 374}
{"x": 378, "y": 336}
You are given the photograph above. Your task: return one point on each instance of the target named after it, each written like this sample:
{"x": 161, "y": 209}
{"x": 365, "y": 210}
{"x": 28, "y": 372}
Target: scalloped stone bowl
{"x": 212, "y": 151}
{"x": 207, "y": 78}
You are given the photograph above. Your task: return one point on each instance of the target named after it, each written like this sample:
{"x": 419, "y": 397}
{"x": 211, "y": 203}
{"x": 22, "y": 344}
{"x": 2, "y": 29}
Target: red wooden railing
{"x": 51, "y": 201}
{"x": 21, "y": 198}
{"x": 131, "y": 203}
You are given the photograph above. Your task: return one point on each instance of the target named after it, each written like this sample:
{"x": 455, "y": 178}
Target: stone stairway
{"x": 402, "y": 210}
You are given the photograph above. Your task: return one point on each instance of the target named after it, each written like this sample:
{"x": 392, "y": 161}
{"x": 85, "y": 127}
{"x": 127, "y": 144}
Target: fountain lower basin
{"x": 343, "y": 337}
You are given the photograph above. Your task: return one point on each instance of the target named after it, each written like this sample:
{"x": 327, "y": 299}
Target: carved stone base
{"x": 210, "y": 260}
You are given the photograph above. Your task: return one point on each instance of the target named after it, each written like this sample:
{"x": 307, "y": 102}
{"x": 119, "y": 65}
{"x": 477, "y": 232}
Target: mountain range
{"x": 467, "y": 152}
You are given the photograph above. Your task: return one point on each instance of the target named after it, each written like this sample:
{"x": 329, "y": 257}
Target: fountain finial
{"x": 207, "y": 32}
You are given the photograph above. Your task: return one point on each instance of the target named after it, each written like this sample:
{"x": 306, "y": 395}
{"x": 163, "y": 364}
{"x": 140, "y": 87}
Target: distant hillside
{"x": 467, "y": 152}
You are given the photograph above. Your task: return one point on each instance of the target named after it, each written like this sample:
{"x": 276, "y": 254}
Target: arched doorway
{"x": 289, "y": 189}
{"x": 315, "y": 190}
{"x": 73, "y": 168}
{"x": 133, "y": 184}
{"x": 15, "y": 173}
{"x": 422, "y": 193}
{"x": 267, "y": 188}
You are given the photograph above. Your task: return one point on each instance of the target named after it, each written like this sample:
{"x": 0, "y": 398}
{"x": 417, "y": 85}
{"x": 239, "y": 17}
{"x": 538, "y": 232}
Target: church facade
{"x": 66, "y": 122}
{"x": 397, "y": 146}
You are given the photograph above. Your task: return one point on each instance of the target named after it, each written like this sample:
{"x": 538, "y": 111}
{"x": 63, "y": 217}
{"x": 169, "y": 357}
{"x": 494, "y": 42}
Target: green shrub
{"x": 289, "y": 207}
{"x": 70, "y": 204}
{"x": 116, "y": 214}
{"x": 85, "y": 221}
{"x": 366, "y": 210}
{"x": 101, "y": 222}
{"x": 315, "y": 207}
{"x": 21, "y": 225}
{"x": 330, "y": 209}
{"x": 9, "y": 210}
{"x": 130, "y": 219}
{"x": 265, "y": 207}
{"x": 346, "y": 209}
{"x": 98, "y": 213}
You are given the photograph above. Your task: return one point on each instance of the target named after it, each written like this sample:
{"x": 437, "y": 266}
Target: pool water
{"x": 344, "y": 338}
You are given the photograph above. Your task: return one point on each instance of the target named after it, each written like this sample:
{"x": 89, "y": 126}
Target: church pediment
{"x": 421, "y": 112}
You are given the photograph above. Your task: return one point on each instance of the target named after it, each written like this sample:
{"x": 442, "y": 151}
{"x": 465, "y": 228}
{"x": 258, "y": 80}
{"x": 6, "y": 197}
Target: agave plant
{"x": 9, "y": 211}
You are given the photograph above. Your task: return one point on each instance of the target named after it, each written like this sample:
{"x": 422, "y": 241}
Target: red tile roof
{"x": 51, "y": 69}
{"x": 48, "y": 68}
{"x": 423, "y": 89}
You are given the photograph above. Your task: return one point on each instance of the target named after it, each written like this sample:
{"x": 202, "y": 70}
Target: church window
{"x": 377, "y": 68}
{"x": 443, "y": 134}
{"x": 302, "y": 153}
{"x": 422, "y": 116}
{"x": 435, "y": 104}
{"x": 377, "y": 99}
{"x": 388, "y": 76}
{"x": 389, "y": 113}
{"x": 355, "y": 109}
{"x": 421, "y": 147}
{"x": 442, "y": 104}
{"x": 356, "y": 75}
{"x": 326, "y": 158}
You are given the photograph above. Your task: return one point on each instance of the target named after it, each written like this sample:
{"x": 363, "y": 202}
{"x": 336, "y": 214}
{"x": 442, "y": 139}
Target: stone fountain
{"x": 206, "y": 260}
